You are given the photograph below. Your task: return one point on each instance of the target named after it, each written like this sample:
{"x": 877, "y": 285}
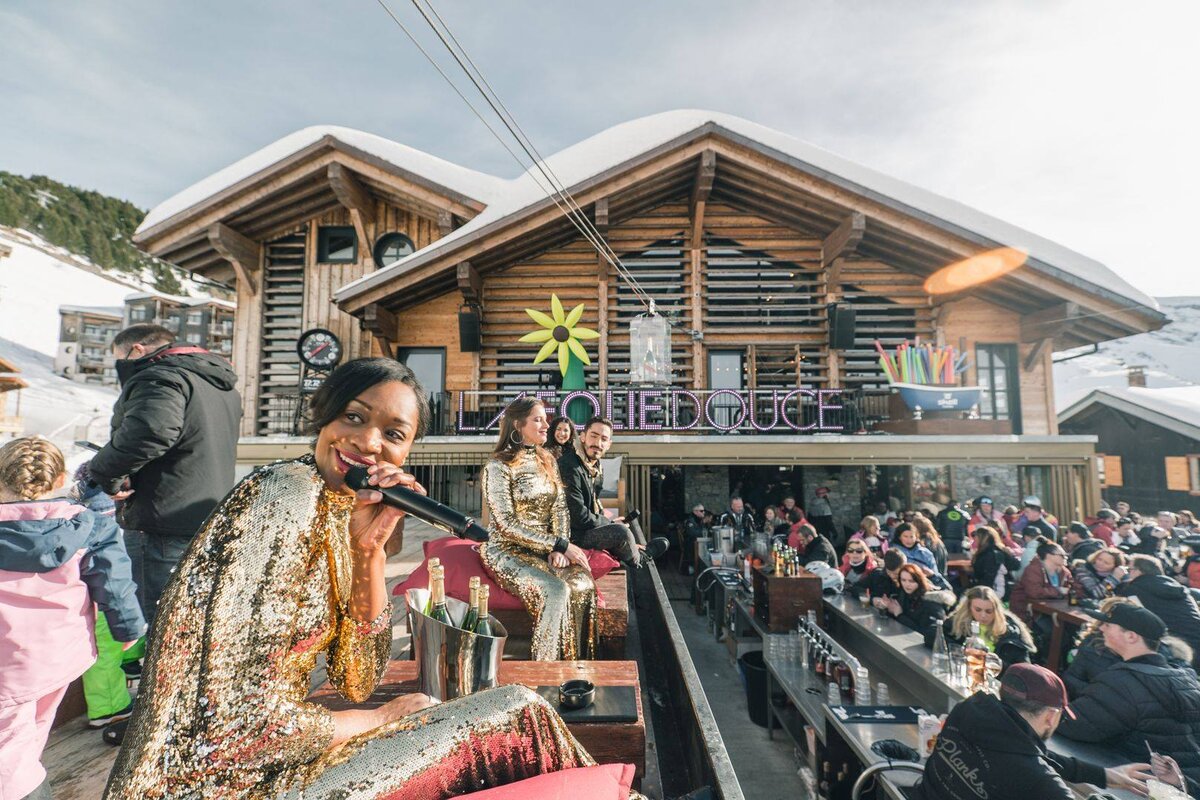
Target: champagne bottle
{"x": 484, "y": 626}
{"x": 430, "y": 566}
{"x": 472, "y": 617}
{"x": 437, "y": 591}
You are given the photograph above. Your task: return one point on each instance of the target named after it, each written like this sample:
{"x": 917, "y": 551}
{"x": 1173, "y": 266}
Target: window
{"x": 193, "y": 338}
{"x": 195, "y": 318}
{"x": 726, "y": 371}
{"x": 428, "y": 364}
{"x": 1109, "y": 470}
{"x": 997, "y": 372}
{"x": 139, "y": 314}
{"x": 337, "y": 244}
{"x": 1183, "y": 473}
{"x": 391, "y": 247}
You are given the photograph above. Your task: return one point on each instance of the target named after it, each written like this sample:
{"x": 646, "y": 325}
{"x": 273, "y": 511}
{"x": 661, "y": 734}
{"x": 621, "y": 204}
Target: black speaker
{"x": 841, "y": 326}
{"x": 470, "y": 336}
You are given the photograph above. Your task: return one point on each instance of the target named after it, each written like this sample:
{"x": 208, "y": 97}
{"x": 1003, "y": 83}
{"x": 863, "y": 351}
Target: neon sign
{"x": 675, "y": 410}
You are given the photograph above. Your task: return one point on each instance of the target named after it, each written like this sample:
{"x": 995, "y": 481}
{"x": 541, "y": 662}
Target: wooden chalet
{"x": 743, "y": 235}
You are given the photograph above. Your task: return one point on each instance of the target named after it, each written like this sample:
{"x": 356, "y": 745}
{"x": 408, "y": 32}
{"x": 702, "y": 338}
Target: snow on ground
{"x": 34, "y": 282}
{"x": 1170, "y": 356}
{"x": 55, "y": 407}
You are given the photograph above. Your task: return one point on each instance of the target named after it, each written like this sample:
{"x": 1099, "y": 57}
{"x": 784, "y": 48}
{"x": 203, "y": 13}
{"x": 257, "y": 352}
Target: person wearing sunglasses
{"x": 857, "y": 564}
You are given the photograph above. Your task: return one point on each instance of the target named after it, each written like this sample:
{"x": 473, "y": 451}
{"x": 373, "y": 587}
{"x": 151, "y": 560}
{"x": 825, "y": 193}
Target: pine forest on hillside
{"x": 87, "y": 223}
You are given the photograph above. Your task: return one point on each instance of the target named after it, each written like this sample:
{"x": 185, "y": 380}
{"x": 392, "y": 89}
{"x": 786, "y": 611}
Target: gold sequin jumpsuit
{"x": 528, "y": 515}
{"x": 222, "y": 711}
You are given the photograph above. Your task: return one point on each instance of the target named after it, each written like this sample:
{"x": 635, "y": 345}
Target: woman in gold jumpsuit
{"x": 291, "y": 565}
{"x": 529, "y": 552}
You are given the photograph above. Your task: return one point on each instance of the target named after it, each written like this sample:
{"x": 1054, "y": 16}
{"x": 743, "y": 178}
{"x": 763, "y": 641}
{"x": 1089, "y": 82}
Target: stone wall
{"x": 707, "y": 485}
{"x": 998, "y": 481}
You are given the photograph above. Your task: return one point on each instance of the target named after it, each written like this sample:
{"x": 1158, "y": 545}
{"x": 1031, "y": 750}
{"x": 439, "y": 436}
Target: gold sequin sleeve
{"x": 359, "y": 653}
{"x": 499, "y": 487}
{"x": 560, "y": 515}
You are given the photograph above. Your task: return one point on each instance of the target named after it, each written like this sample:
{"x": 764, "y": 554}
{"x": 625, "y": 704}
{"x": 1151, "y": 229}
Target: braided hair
{"x": 30, "y": 467}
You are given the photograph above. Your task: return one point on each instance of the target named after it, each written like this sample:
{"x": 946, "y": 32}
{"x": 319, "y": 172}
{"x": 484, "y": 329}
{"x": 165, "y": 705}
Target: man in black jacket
{"x": 173, "y": 449}
{"x": 1165, "y": 596}
{"x": 816, "y": 546}
{"x": 995, "y": 748}
{"x": 582, "y": 479}
{"x": 1141, "y": 702}
{"x": 1079, "y": 542}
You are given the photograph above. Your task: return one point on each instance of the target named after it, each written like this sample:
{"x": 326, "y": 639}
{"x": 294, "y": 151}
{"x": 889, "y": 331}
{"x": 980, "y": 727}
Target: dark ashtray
{"x": 576, "y": 693}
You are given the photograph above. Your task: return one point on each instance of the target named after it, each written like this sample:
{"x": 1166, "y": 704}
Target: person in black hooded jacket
{"x": 1166, "y": 597}
{"x": 1142, "y": 702}
{"x": 994, "y": 748}
{"x": 171, "y": 457}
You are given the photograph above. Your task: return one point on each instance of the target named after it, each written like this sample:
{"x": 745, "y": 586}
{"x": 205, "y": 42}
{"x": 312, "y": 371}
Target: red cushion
{"x": 602, "y": 782}
{"x": 460, "y": 557}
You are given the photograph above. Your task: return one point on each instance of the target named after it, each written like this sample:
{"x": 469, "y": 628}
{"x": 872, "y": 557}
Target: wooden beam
{"x": 469, "y": 283}
{"x": 600, "y": 214}
{"x": 1048, "y": 322}
{"x": 382, "y": 324}
{"x": 240, "y": 251}
{"x": 1036, "y": 353}
{"x": 706, "y": 173}
{"x": 844, "y": 239}
{"x": 355, "y": 197}
{"x": 445, "y": 222}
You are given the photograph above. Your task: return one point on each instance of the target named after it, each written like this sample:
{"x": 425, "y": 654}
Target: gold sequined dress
{"x": 222, "y": 711}
{"x": 528, "y": 510}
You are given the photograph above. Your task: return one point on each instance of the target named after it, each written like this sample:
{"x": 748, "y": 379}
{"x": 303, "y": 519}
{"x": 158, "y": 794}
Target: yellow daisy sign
{"x": 560, "y": 331}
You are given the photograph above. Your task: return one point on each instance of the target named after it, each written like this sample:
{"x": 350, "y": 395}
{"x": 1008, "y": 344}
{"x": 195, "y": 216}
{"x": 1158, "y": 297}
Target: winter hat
{"x": 1036, "y": 684}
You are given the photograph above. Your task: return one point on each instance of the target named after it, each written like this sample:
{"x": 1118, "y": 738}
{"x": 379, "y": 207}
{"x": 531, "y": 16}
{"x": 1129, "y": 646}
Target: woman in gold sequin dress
{"x": 529, "y": 552}
{"x": 291, "y": 565}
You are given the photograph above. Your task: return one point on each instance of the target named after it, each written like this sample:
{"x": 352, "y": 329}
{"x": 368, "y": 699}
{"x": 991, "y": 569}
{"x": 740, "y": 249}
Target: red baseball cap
{"x": 1037, "y": 684}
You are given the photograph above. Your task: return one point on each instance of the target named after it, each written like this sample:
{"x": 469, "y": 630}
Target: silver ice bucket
{"x": 452, "y": 662}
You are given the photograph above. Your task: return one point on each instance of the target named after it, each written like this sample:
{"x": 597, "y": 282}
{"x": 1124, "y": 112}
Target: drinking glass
{"x": 793, "y": 654}
{"x": 958, "y": 664}
{"x": 992, "y": 665}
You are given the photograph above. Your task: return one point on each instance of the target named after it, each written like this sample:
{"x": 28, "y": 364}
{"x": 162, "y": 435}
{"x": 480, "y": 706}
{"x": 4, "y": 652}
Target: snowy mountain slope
{"x": 55, "y": 407}
{"x": 1171, "y": 356}
{"x": 35, "y": 281}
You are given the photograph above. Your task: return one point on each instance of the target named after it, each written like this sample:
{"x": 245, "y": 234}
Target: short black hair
{"x": 352, "y": 379}
{"x": 894, "y": 559}
{"x": 144, "y": 333}
{"x": 1145, "y": 564}
{"x": 598, "y": 420}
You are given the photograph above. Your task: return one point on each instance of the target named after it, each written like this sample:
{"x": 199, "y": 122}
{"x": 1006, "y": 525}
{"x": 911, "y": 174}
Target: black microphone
{"x": 423, "y": 508}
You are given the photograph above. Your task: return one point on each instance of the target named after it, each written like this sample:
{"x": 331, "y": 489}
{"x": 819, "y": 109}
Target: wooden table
{"x": 1061, "y": 613}
{"x": 608, "y": 742}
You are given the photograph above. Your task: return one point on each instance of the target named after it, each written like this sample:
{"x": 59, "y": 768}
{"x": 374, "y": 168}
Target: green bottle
{"x": 484, "y": 626}
{"x": 437, "y": 596}
{"x": 433, "y": 564}
{"x": 472, "y": 617}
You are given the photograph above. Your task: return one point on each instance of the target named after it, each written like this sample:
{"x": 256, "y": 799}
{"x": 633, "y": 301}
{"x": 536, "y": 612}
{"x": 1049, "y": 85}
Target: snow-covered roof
{"x": 1176, "y": 409}
{"x": 203, "y": 300}
{"x": 115, "y": 312}
{"x": 627, "y": 141}
{"x": 475, "y": 185}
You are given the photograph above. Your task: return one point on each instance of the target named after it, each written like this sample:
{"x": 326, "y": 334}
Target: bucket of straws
{"x": 452, "y": 662}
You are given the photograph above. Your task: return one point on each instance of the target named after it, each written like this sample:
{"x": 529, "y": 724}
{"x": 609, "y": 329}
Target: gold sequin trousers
{"x": 529, "y": 515}
{"x": 222, "y": 711}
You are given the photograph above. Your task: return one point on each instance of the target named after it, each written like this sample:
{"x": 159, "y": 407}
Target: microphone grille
{"x": 356, "y": 478}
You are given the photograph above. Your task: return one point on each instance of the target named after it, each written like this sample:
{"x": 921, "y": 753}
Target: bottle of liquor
{"x": 976, "y": 649}
{"x": 430, "y": 566}
{"x": 472, "y": 617}
{"x": 845, "y": 679}
{"x": 484, "y": 626}
{"x": 437, "y": 596}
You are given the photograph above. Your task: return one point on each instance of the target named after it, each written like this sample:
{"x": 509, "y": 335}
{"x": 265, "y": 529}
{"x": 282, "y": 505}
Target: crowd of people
{"x": 1130, "y": 675}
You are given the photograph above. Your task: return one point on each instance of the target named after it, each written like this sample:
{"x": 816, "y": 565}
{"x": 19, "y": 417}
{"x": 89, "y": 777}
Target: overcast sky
{"x": 1075, "y": 119}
